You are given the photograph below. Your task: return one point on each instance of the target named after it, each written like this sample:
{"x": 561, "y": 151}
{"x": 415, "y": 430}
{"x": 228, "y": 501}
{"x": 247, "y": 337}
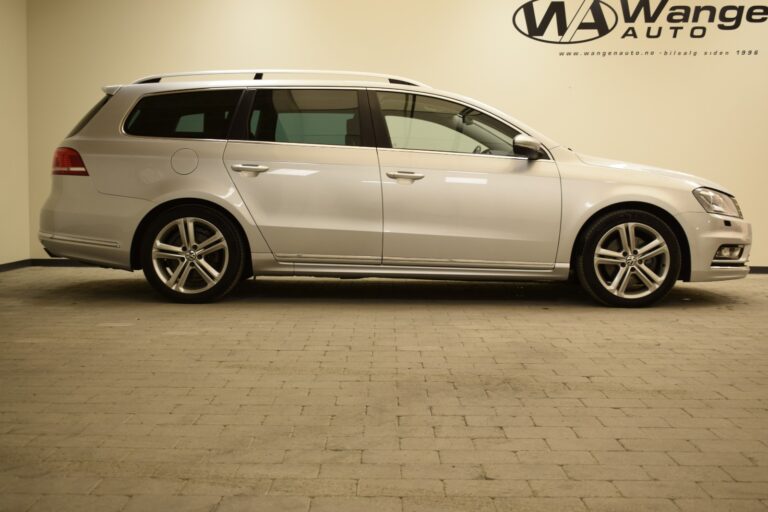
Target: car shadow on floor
{"x": 539, "y": 294}
{"x": 375, "y": 291}
{"x": 406, "y": 290}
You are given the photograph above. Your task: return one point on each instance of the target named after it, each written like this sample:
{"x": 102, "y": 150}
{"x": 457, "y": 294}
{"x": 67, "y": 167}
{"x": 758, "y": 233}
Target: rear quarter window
{"x": 188, "y": 115}
{"x": 88, "y": 116}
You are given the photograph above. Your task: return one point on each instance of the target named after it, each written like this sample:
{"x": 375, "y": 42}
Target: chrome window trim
{"x": 239, "y": 141}
{"x": 454, "y": 153}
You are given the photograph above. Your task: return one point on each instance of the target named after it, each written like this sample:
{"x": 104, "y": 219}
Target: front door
{"x": 306, "y": 176}
{"x": 455, "y": 195}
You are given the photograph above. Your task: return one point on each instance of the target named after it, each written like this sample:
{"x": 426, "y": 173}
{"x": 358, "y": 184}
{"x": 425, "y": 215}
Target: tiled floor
{"x": 325, "y": 395}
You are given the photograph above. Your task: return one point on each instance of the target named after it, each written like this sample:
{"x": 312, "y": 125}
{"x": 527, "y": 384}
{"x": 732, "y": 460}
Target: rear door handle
{"x": 250, "y": 169}
{"x": 405, "y": 175}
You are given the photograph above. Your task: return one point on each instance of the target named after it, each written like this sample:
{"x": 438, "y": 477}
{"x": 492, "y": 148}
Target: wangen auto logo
{"x": 593, "y": 20}
{"x": 553, "y": 21}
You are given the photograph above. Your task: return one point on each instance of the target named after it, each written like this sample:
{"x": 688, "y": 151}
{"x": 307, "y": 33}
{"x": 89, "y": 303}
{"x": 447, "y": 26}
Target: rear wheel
{"x": 631, "y": 258}
{"x": 192, "y": 254}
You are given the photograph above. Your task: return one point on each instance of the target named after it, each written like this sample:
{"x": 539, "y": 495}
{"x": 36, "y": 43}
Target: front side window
{"x": 189, "y": 115}
{"x": 306, "y": 116}
{"x": 432, "y": 124}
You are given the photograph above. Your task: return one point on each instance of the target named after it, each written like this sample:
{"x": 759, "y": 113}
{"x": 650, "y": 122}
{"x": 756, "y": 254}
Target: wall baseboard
{"x": 64, "y": 262}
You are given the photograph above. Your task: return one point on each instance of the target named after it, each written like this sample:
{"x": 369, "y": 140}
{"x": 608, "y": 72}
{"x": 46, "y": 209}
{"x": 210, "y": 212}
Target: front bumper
{"x": 706, "y": 232}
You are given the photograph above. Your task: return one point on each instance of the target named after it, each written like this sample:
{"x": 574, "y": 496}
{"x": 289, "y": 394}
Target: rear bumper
{"x": 706, "y": 233}
{"x": 79, "y": 223}
{"x": 105, "y": 253}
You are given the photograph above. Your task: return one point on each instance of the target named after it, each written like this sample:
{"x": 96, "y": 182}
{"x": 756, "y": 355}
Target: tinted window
{"x": 306, "y": 117}
{"x": 423, "y": 122}
{"x": 193, "y": 115}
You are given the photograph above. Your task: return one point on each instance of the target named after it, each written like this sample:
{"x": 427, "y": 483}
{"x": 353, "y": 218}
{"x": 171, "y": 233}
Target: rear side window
{"x": 90, "y": 115}
{"x": 188, "y": 115}
{"x": 306, "y": 116}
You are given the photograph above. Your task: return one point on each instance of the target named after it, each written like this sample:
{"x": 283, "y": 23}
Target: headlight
{"x": 717, "y": 202}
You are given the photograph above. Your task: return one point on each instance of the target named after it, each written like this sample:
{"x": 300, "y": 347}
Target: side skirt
{"x": 265, "y": 265}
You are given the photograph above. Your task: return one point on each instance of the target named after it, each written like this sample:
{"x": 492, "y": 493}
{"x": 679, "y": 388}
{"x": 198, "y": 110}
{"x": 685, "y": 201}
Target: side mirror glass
{"x": 527, "y": 146}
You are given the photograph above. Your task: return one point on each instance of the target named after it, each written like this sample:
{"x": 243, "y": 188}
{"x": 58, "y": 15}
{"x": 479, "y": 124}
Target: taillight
{"x": 67, "y": 161}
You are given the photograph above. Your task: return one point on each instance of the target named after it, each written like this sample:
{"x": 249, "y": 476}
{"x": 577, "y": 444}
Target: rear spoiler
{"x": 111, "y": 90}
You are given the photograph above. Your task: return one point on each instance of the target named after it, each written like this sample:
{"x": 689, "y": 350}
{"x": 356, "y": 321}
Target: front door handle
{"x": 405, "y": 175}
{"x": 250, "y": 169}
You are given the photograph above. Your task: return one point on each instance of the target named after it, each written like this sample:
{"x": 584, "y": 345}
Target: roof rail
{"x": 258, "y": 74}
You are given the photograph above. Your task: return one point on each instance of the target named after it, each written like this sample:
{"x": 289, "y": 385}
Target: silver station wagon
{"x": 203, "y": 183}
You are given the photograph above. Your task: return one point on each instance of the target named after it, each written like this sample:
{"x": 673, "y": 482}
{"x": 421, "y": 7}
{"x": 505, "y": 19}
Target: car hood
{"x": 690, "y": 179}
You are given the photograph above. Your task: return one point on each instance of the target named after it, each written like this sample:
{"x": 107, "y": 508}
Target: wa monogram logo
{"x": 552, "y": 22}
{"x": 579, "y": 21}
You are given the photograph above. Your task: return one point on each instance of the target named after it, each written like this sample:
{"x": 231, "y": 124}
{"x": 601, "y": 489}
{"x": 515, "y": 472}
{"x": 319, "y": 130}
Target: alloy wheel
{"x": 632, "y": 260}
{"x": 190, "y": 255}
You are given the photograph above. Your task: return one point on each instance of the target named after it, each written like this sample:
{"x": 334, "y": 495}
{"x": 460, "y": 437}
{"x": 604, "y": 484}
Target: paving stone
{"x": 442, "y": 471}
{"x": 747, "y": 473}
{"x": 356, "y": 504}
{"x": 17, "y": 502}
{"x": 53, "y": 485}
{"x": 524, "y": 472}
{"x": 450, "y": 504}
{"x": 687, "y": 473}
{"x": 175, "y": 503}
{"x": 226, "y": 487}
{"x": 399, "y": 487}
{"x": 736, "y": 490}
{"x": 674, "y": 489}
{"x": 568, "y": 488}
{"x": 539, "y": 504}
{"x": 492, "y": 488}
{"x": 313, "y": 487}
{"x": 263, "y": 504}
{"x": 725, "y": 505}
{"x": 78, "y": 503}
{"x": 630, "y": 505}
{"x": 360, "y": 471}
{"x": 138, "y": 486}
{"x": 606, "y": 472}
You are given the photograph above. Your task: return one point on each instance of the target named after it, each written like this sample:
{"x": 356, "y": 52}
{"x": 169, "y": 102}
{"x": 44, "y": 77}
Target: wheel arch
{"x": 154, "y": 212}
{"x": 685, "y": 248}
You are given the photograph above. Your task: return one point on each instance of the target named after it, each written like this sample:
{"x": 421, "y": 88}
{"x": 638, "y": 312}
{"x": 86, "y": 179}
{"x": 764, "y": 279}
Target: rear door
{"x": 306, "y": 166}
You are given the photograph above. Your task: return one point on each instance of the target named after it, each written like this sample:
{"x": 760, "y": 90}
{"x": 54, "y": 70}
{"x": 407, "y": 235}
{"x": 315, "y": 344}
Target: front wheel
{"x": 192, "y": 254}
{"x": 630, "y": 258}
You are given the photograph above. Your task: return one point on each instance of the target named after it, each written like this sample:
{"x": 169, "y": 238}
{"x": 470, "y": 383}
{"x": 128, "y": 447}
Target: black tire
{"x": 227, "y": 262}
{"x": 603, "y": 279}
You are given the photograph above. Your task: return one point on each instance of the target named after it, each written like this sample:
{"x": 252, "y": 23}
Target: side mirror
{"x": 527, "y": 146}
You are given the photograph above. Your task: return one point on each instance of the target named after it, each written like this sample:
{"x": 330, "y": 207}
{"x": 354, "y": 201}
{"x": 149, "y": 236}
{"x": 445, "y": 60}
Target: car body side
{"x": 100, "y": 220}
